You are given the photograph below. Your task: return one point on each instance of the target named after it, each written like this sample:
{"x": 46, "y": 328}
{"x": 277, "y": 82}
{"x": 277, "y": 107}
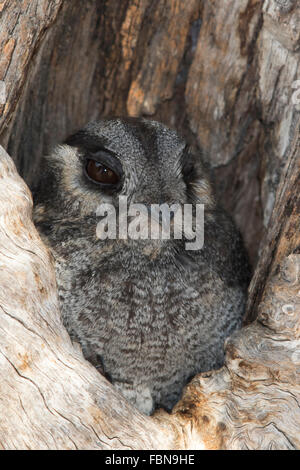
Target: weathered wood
{"x": 283, "y": 236}
{"x": 23, "y": 25}
{"x": 253, "y": 402}
{"x": 224, "y": 74}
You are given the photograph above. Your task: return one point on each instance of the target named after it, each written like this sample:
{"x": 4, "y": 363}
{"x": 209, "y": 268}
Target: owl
{"x": 148, "y": 312}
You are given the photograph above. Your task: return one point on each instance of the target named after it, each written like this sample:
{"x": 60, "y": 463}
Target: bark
{"x": 225, "y": 75}
{"x": 283, "y": 236}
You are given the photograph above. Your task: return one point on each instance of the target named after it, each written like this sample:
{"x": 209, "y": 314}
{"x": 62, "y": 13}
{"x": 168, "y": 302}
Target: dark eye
{"x": 100, "y": 173}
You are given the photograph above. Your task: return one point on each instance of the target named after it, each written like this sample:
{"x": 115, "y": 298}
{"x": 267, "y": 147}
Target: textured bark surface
{"x": 225, "y": 75}
{"x": 283, "y": 235}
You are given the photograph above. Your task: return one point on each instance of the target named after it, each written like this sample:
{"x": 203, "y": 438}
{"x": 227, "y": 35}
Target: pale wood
{"x": 223, "y": 74}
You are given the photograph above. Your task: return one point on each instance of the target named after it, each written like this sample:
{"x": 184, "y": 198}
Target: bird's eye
{"x": 100, "y": 173}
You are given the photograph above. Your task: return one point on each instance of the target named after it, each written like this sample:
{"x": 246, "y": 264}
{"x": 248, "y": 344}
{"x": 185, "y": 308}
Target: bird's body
{"x": 149, "y": 311}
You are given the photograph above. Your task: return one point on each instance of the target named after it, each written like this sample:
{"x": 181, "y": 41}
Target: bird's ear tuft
{"x": 77, "y": 139}
{"x": 86, "y": 140}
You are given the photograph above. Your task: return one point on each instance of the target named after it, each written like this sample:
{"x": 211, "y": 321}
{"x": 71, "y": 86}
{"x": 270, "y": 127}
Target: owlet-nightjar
{"x": 147, "y": 311}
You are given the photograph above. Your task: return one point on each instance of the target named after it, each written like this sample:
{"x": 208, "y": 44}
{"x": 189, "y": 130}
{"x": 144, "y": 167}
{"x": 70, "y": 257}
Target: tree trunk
{"x": 226, "y": 75}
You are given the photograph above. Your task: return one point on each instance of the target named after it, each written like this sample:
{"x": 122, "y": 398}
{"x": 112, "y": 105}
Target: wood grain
{"x": 222, "y": 73}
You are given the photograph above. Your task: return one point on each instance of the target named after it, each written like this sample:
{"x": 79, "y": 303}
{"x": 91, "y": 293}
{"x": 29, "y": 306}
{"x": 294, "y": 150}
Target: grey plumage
{"x": 148, "y": 312}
